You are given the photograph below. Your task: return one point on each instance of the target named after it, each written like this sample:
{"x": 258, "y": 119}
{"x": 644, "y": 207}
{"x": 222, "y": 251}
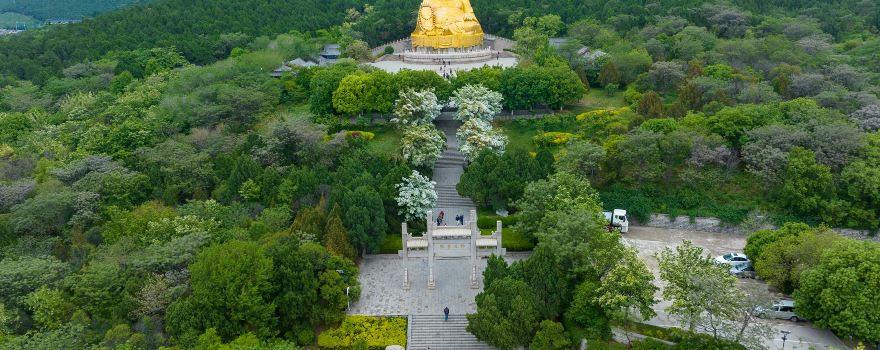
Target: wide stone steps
{"x": 428, "y": 331}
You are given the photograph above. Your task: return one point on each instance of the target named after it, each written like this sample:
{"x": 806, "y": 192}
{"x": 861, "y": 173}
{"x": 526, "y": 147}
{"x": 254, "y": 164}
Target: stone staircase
{"x": 429, "y": 331}
{"x": 447, "y": 172}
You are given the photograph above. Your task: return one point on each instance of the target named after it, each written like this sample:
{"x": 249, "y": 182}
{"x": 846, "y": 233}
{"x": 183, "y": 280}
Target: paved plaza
{"x": 383, "y": 294}
{"x": 396, "y": 66}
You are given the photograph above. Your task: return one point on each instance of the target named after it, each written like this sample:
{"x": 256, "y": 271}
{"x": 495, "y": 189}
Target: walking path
{"x": 447, "y": 172}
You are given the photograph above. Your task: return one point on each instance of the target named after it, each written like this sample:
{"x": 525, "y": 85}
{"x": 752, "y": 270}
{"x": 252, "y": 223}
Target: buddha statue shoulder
{"x": 447, "y": 17}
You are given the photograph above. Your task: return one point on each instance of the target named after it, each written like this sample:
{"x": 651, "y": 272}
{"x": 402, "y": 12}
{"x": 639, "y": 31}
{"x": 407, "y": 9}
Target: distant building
{"x": 4, "y": 32}
{"x": 590, "y": 55}
{"x": 329, "y": 55}
{"x": 62, "y": 21}
{"x": 557, "y": 43}
{"x": 288, "y": 67}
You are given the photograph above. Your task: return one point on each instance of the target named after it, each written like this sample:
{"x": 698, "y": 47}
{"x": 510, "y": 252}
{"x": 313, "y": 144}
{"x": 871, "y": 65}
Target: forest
{"x": 158, "y": 188}
{"x": 202, "y": 30}
{"x": 47, "y": 9}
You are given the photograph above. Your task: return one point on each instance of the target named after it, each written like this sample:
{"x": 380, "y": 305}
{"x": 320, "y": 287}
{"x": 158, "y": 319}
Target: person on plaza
{"x": 440, "y": 217}
{"x": 446, "y": 313}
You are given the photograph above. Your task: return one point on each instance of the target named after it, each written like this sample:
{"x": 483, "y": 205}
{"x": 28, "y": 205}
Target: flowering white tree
{"x": 416, "y": 195}
{"x": 476, "y": 101}
{"x": 476, "y": 135}
{"x": 422, "y": 144}
{"x": 416, "y": 107}
{"x": 868, "y": 118}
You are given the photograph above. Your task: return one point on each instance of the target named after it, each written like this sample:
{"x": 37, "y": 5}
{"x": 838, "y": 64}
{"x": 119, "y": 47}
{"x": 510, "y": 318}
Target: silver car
{"x": 743, "y": 271}
{"x": 783, "y": 310}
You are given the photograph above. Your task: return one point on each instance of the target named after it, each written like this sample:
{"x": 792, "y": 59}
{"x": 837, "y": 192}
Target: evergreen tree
{"x": 609, "y": 75}
{"x": 651, "y": 105}
{"x": 335, "y": 237}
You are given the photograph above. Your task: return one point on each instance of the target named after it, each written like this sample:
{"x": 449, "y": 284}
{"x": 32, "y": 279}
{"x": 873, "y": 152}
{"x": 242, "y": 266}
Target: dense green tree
{"x": 836, "y": 293}
{"x": 550, "y": 336}
{"x": 49, "y": 307}
{"x": 808, "y": 186}
{"x": 496, "y": 269}
{"x": 350, "y": 97}
{"x": 550, "y": 283}
{"x": 499, "y": 181}
{"x": 364, "y": 216}
{"x": 359, "y": 51}
{"x": 324, "y": 83}
{"x": 581, "y": 158}
{"x": 758, "y": 240}
{"x": 782, "y": 262}
{"x": 231, "y": 292}
{"x": 24, "y": 275}
{"x": 506, "y": 314}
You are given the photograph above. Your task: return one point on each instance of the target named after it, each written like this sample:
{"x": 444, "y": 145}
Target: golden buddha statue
{"x": 443, "y": 24}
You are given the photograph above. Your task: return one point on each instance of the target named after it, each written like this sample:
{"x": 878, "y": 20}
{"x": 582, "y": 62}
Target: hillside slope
{"x": 195, "y": 27}
{"x": 68, "y": 9}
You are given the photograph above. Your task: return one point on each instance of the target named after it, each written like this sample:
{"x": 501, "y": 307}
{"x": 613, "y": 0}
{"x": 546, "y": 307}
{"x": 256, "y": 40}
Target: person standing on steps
{"x": 446, "y": 314}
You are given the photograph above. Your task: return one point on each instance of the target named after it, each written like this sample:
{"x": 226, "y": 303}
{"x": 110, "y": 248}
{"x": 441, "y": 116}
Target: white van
{"x": 783, "y": 310}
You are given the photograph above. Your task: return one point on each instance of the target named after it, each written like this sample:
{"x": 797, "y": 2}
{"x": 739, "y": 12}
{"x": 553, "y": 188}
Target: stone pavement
{"x": 396, "y": 66}
{"x": 447, "y": 172}
{"x": 381, "y": 278}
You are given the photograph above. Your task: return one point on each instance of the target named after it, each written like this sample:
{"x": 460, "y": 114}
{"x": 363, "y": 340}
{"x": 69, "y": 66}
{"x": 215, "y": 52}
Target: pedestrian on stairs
{"x": 446, "y": 313}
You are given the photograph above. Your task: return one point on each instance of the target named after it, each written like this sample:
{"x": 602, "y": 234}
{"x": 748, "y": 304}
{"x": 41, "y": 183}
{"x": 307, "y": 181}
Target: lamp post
{"x": 784, "y": 338}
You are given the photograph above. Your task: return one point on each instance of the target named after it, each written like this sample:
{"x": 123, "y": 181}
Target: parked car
{"x": 743, "y": 271}
{"x": 783, "y": 310}
{"x": 733, "y": 259}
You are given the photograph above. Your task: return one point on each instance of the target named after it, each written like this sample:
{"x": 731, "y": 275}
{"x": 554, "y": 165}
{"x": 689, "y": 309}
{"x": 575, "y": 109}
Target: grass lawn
{"x": 519, "y": 137}
{"x": 391, "y": 244}
{"x": 512, "y": 240}
{"x": 598, "y": 99}
{"x": 387, "y": 140}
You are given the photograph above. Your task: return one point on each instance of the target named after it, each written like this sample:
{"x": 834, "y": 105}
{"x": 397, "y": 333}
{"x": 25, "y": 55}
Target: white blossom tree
{"x": 477, "y": 135}
{"x": 476, "y": 101}
{"x": 868, "y": 118}
{"x": 422, "y": 144}
{"x": 415, "y": 107}
{"x": 416, "y": 195}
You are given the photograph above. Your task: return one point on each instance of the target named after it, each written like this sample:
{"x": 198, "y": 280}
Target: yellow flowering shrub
{"x": 553, "y": 138}
{"x": 377, "y": 332}
{"x": 360, "y": 134}
{"x": 601, "y": 113}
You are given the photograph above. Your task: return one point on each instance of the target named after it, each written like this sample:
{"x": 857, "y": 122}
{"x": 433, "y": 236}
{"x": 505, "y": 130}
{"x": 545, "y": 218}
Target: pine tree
{"x": 651, "y": 105}
{"x": 609, "y": 74}
{"x": 310, "y": 222}
{"x": 335, "y": 236}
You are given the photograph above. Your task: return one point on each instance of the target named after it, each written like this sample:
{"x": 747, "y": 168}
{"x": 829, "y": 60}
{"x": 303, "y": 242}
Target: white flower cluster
{"x": 416, "y": 195}
{"x": 414, "y": 107}
{"x": 476, "y": 102}
{"x": 422, "y": 144}
{"x": 476, "y": 135}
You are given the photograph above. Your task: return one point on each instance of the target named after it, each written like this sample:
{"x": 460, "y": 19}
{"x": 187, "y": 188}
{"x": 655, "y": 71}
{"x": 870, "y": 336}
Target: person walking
{"x": 446, "y": 314}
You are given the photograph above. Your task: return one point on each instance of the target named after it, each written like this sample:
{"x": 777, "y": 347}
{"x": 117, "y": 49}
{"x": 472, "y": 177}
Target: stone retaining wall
{"x": 715, "y": 225}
